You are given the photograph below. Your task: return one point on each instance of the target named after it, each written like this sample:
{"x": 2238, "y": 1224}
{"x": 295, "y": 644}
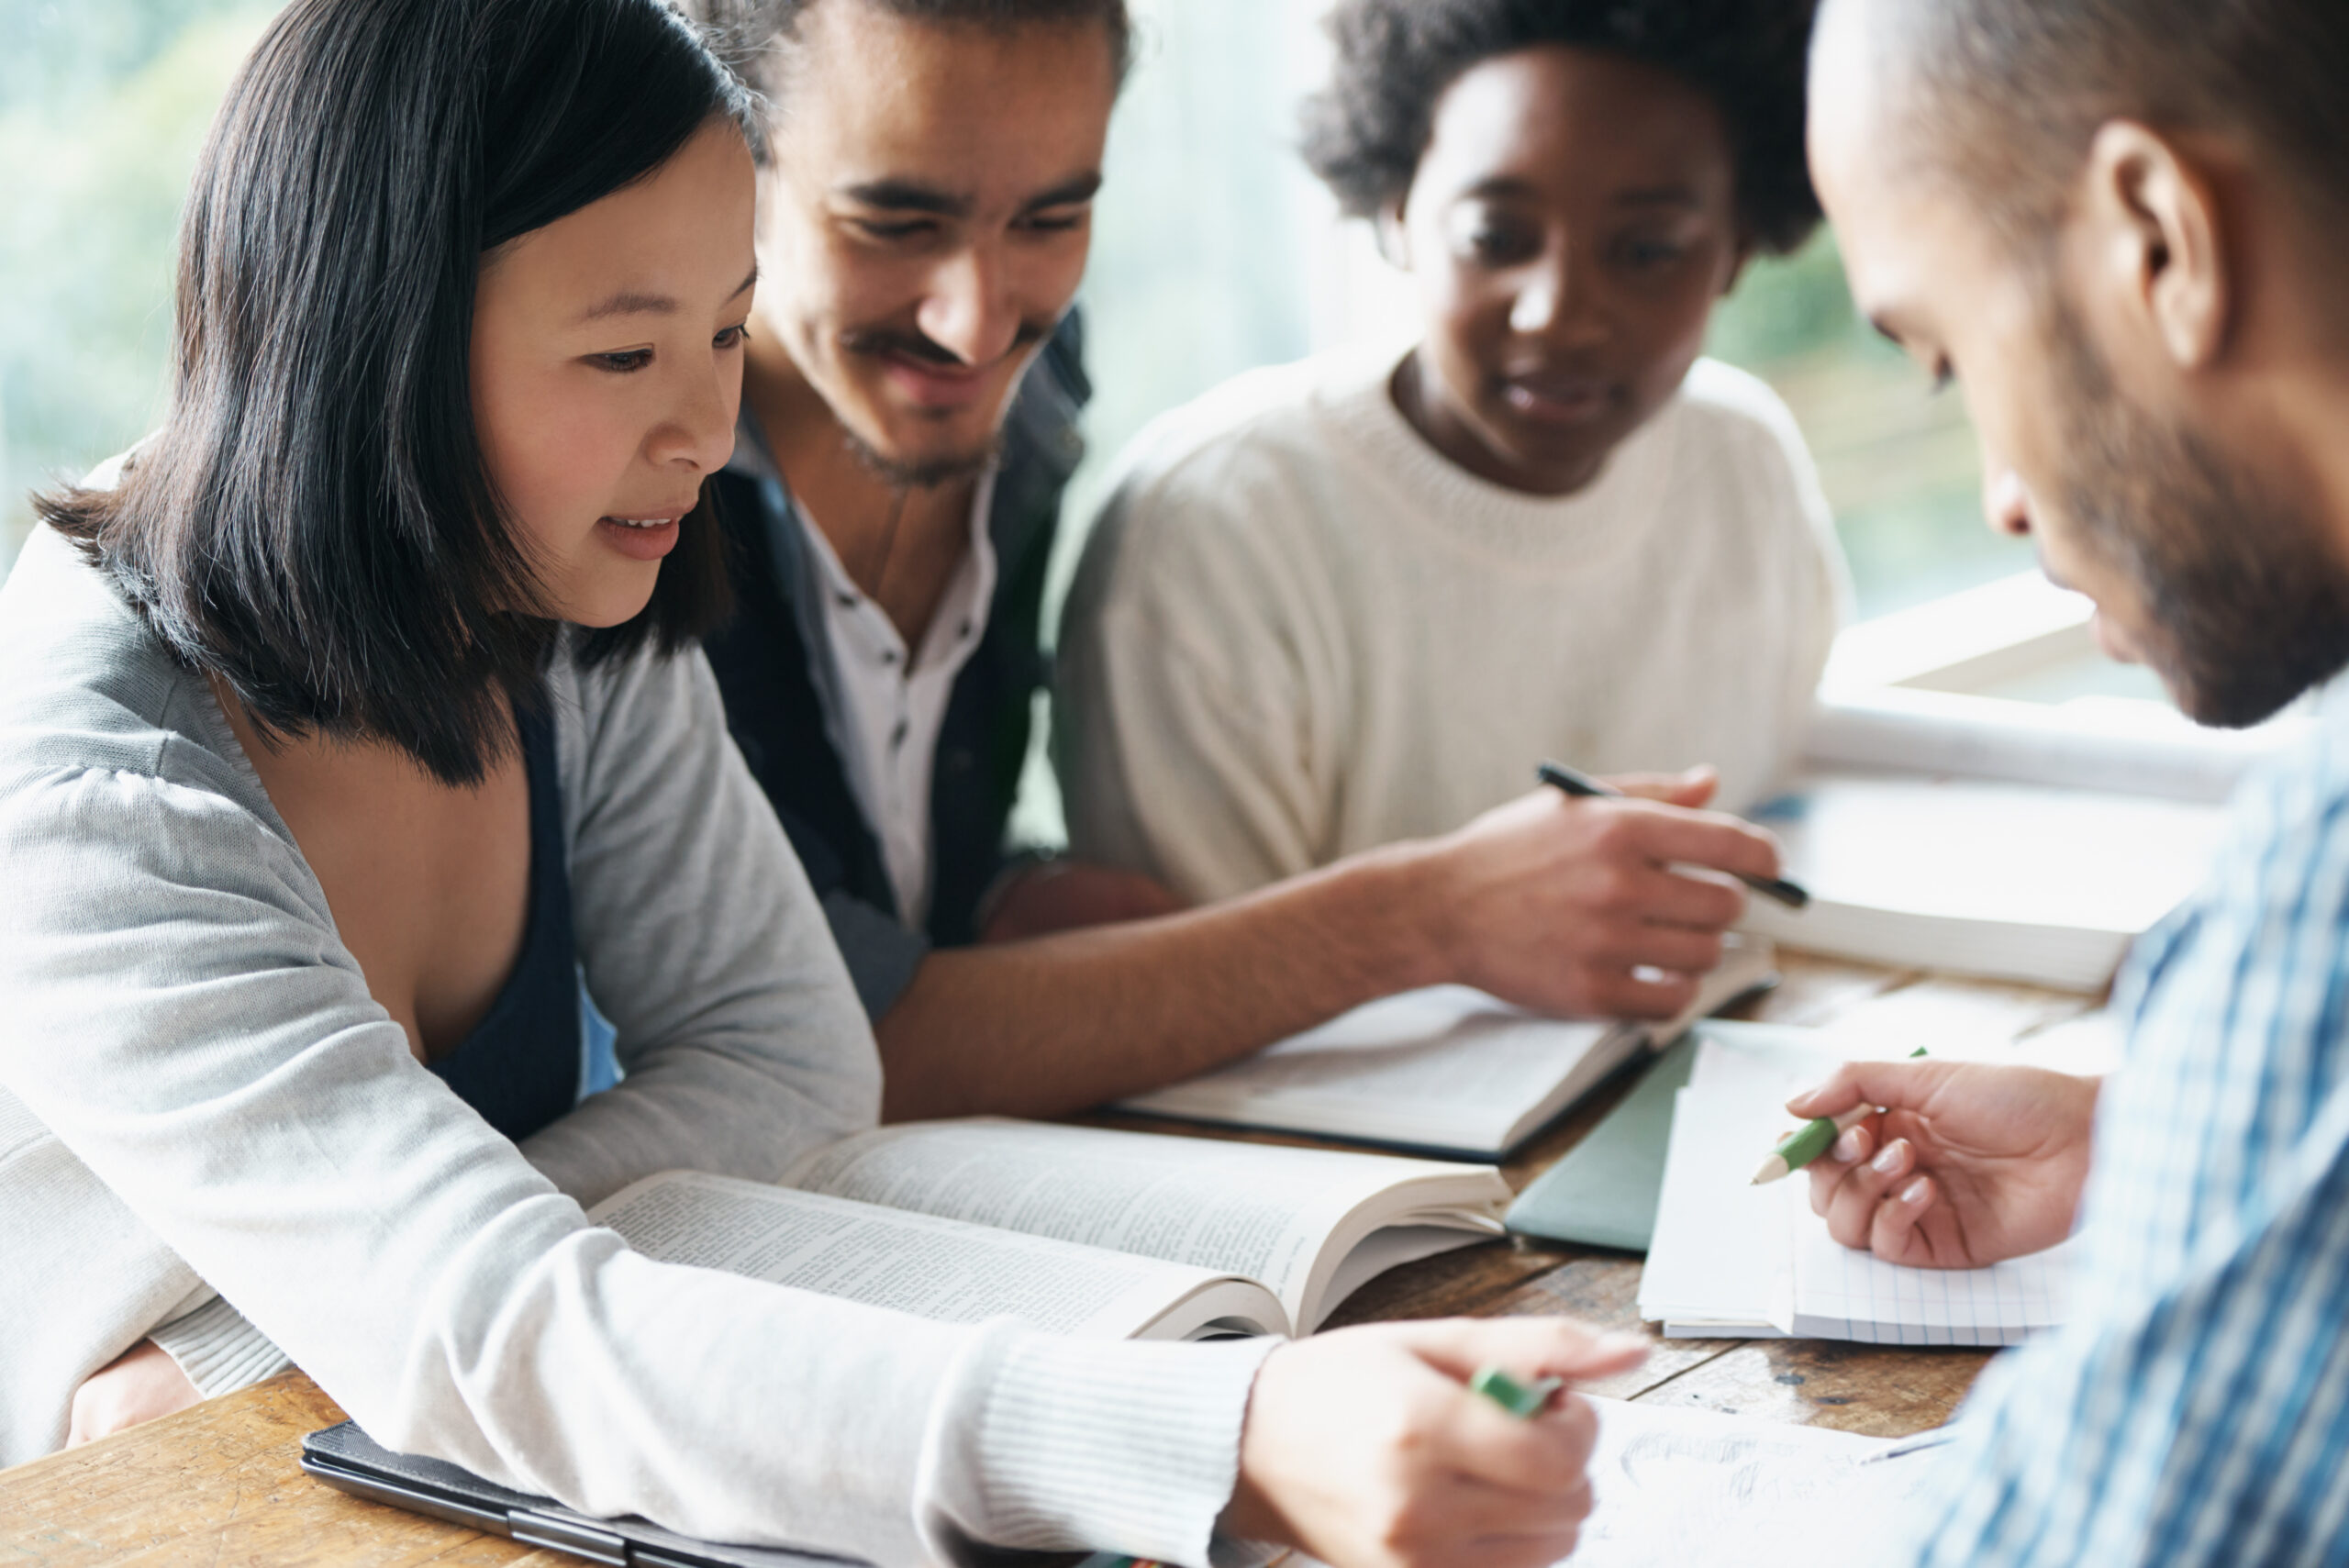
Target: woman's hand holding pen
{"x": 1366, "y": 1449}
{"x": 1967, "y": 1163}
{"x": 1596, "y": 907}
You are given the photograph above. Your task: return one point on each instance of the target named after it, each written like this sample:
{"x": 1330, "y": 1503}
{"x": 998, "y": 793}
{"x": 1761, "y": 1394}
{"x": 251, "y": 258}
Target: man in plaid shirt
{"x": 2119, "y": 225}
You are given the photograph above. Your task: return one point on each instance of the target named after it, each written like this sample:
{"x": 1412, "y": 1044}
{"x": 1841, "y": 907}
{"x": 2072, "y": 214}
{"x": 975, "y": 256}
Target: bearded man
{"x": 2117, "y": 224}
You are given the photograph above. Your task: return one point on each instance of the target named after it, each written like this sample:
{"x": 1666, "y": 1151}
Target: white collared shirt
{"x": 895, "y": 705}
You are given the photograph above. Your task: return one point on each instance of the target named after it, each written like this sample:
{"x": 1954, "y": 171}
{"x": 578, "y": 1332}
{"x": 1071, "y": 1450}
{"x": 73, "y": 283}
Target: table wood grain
{"x": 221, "y": 1484}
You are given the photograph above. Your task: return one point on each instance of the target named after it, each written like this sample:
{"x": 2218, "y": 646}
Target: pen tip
{"x": 1773, "y": 1168}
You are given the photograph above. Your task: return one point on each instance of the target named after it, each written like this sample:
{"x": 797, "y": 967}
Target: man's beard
{"x": 2244, "y": 606}
{"x": 921, "y": 473}
{"x": 942, "y": 467}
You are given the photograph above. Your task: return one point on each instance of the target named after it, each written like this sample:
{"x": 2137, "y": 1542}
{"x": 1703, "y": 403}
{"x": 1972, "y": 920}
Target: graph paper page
{"x": 1840, "y": 1294}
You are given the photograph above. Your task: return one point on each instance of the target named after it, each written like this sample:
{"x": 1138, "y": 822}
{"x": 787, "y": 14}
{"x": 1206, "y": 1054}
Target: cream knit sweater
{"x": 1298, "y": 632}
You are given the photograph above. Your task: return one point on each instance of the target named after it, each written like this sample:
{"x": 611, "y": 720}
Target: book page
{"x": 1447, "y": 1067}
{"x": 1243, "y": 1208}
{"x": 910, "y": 1263}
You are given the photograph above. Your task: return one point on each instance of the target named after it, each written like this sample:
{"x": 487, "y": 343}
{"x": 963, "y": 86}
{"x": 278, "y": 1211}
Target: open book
{"x": 1730, "y": 1260}
{"x": 1996, "y": 837}
{"x": 1448, "y": 1069}
{"x": 1074, "y": 1230}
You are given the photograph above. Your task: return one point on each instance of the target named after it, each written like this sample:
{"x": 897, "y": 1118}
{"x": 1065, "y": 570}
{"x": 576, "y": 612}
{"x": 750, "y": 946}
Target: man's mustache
{"x": 889, "y": 341}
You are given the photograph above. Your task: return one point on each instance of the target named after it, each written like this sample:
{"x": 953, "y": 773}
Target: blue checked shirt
{"x": 2196, "y": 1409}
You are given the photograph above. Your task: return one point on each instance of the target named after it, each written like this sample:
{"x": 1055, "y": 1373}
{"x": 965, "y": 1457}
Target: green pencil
{"x": 1806, "y": 1143}
{"x": 1523, "y": 1400}
{"x": 1814, "y": 1137}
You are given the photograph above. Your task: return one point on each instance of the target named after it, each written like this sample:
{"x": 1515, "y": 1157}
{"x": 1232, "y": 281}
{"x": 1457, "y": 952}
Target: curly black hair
{"x": 1365, "y": 134}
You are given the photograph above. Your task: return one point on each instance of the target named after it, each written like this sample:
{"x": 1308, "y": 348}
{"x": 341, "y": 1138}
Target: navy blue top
{"x": 772, "y": 662}
{"x": 520, "y": 1068}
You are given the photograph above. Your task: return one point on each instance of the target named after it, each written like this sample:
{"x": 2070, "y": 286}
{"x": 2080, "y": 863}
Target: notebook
{"x": 2029, "y": 845}
{"x": 1604, "y": 1192}
{"x": 1446, "y": 1071}
{"x": 1730, "y": 1260}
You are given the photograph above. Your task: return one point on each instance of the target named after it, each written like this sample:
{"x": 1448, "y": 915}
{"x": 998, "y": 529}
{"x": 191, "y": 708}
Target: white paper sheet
{"x": 1679, "y": 1486}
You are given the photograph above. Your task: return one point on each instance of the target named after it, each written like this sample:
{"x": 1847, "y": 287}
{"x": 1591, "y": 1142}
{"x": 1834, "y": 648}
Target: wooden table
{"x": 220, "y": 1484}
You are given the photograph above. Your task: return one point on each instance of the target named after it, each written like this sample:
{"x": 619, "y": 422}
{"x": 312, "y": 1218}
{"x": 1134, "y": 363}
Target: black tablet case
{"x": 343, "y": 1458}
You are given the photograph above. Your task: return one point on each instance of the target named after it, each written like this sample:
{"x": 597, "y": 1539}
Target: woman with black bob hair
{"x": 354, "y": 714}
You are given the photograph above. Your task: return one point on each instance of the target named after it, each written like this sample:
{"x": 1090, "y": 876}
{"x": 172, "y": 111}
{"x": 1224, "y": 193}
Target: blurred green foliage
{"x": 1898, "y": 460}
{"x": 103, "y": 105}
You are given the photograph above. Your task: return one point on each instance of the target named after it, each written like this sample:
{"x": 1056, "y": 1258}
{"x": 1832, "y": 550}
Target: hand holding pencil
{"x": 1425, "y": 1445}
{"x": 1947, "y": 1164}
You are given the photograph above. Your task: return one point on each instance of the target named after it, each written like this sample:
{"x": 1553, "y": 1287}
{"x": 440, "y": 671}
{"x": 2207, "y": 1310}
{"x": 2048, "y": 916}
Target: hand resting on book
{"x": 1968, "y": 1165}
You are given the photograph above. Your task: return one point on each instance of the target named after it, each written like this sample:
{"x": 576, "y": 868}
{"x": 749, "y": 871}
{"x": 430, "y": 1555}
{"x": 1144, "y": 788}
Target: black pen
{"x": 1559, "y": 776}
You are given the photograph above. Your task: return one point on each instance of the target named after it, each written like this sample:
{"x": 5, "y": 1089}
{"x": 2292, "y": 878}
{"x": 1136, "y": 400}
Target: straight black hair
{"x": 313, "y": 524}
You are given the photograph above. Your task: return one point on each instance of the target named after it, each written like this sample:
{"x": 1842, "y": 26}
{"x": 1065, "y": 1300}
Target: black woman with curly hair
{"x": 1347, "y": 603}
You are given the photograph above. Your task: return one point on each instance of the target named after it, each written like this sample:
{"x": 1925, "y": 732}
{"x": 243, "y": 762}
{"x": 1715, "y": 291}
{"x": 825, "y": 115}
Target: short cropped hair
{"x": 755, "y": 37}
{"x": 314, "y": 524}
{"x": 2023, "y": 84}
{"x": 1365, "y": 134}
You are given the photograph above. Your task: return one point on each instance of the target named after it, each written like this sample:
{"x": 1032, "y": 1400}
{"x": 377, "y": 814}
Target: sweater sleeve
{"x": 217, "y": 1350}
{"x": 742, "y": 1040}
{"x": 184, "y": 1020}
{"x": 1192, "y": 682}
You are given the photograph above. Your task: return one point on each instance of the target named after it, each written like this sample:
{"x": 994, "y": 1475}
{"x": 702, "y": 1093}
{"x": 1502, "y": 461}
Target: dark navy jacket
{"x": 773, "y": 669}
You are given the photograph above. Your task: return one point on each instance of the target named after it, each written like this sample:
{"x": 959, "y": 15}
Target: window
{"x": 101, "y": 116}
{"x": 1215, "y": 251}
